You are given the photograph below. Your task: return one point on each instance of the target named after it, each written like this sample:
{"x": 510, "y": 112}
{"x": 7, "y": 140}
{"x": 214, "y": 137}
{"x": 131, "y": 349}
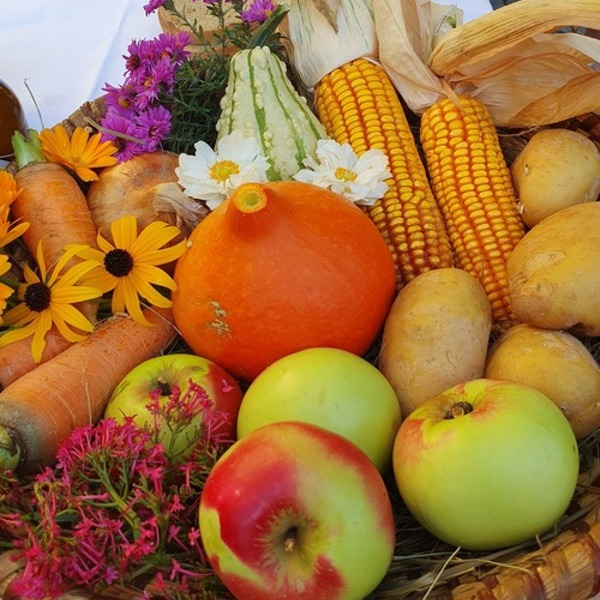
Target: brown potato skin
{"x": 435, "y": 336}
{"x": 554, "y": 274}
{"x": 556, "y": 168}
{"x": 555, "y": 363}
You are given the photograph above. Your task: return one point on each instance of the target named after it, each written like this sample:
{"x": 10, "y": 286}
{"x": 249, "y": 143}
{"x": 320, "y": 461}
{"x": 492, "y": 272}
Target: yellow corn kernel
{"x": 358, "y": 104}
{"x": 473, "y": 188}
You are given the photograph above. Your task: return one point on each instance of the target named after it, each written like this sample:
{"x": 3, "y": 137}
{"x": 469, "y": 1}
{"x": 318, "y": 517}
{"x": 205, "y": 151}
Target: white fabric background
{"x": 67, "y": 50}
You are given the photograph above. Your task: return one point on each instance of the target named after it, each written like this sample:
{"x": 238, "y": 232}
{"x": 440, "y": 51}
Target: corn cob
{"x": 358, "y": 104}
{"x": 473, "y": 187}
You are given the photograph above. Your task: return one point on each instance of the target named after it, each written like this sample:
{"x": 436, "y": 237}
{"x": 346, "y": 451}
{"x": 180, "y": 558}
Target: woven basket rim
{"x": 566, "y": 565}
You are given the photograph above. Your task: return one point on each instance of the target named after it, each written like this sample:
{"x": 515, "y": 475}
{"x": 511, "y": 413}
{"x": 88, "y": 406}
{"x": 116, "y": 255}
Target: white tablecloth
{"x": 65, "y": 51}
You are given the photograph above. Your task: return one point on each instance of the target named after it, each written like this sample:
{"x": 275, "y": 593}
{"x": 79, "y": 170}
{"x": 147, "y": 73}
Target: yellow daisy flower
{"x": 5, "y": 290}
{"x": 8, "y": 188}
{"x": 48, "y": 299}
{"x": 9, "y": 231}
{"x": 8, "y": 192}
{"x": 130, "y": 267}
{"x": 80, "y": 153}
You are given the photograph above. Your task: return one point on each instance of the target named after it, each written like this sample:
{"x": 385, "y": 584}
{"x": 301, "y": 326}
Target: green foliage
{"x": 201, "y": 81}
{"x": 199, "y": 86}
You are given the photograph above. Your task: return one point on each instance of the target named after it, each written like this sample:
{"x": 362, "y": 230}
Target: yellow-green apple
{"x": 294, "y": 511}
{"x": 486, "y": 464}
{"x": 332, "y": 388}
{"x": 132, "y": 398}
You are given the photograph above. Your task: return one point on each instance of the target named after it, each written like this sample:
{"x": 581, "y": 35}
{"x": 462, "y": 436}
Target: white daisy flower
{"x": 338, "y": 168}
{"x": 212, "y": 175}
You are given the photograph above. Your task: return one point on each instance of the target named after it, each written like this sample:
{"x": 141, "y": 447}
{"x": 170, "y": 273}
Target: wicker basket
{"x": 565, "y": 565}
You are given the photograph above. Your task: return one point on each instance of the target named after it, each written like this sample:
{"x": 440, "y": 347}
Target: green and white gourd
{"x": 261, "y": 101}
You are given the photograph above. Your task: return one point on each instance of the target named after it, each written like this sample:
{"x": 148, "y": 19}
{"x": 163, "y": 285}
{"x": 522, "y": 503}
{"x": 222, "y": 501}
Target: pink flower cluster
{"x": 114, "y": 510}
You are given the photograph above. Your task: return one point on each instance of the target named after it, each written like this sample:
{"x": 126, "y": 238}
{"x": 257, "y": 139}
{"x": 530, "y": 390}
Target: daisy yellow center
{"x": 221, "y": 171}
{"x": 37, "y": 297}
{"x": 118, "y": 262}
{"x": 345, "y": 174}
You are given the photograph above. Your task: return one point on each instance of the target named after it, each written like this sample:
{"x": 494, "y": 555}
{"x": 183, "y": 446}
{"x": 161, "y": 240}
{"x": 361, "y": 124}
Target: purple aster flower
{"x": 152, "y": 6}
{"x": 153, "y": 126}
{"x": 167, "y": 44}
{"x": 139, "y": 53}
{"x": 259, "y": 11}
{"x": 158, "y": 78}
{"x": 122, "y": 131}
{"x": 120, "y": 98}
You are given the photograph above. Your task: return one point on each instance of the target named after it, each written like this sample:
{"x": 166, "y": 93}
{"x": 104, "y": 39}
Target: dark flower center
{"x": 118, "y": 262}
{"x": 37, "y": 297}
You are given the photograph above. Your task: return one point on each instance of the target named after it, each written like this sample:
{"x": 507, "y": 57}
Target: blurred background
{"x": 59, "y": 54}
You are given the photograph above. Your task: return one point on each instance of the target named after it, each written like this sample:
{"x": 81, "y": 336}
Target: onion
{"x": 144, "y": 186}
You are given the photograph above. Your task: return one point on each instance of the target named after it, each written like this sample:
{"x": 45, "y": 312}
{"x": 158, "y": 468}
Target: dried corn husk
{"x": 512, "y": 59}
{"x": 327, "y": 34}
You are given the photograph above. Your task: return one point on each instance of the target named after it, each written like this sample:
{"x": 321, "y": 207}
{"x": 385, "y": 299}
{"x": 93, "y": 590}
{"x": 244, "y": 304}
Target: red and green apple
{"x": 331, "y": 388}
{"x": 131, "y": 397}
{"x": 486, "y": 464}
{"x": 294, "y": 511}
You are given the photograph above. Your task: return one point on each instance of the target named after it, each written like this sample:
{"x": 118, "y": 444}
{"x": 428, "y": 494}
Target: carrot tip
{"x": 10, "y": 449}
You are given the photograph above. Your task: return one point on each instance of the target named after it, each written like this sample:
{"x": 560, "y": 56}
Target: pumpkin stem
{"x": 249, "y": 197}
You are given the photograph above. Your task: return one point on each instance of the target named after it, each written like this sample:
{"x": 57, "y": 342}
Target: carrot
{"x": 53, "y": 204}
{"x": 16, "y": 359}
{"x": 43, "y": 407}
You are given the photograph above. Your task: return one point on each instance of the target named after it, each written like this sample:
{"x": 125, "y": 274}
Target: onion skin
{"x": 129, "y": 188}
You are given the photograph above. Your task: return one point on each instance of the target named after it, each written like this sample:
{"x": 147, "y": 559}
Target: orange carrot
{"x": 43, "y": 407}
{"x": 53, "y": 204}
{"x": 16, "y": 359}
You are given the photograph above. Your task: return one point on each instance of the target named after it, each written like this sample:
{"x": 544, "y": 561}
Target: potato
{"x": 435, "y": 336}
{"x": 554, "y": 272}
{"x": 556, "y": 364}
{"x": 557, "y": 168}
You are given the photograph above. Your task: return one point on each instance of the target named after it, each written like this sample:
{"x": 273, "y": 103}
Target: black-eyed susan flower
{"x": 81, "y": 152}
{"x": 130, "y": 267}
{"x": 47, "y": 299}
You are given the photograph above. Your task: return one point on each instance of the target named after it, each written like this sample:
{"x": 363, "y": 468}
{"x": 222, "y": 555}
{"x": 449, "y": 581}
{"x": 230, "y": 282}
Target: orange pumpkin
{"x": 280, "y": 267}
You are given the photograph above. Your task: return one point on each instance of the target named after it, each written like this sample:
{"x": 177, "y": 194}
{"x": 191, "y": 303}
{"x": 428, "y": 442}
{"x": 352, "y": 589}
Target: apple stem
{"x": 458, "y": 409}
{"x": 290, "y": 539}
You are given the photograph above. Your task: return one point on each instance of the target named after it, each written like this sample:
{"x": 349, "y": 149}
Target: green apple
{"x": 486, "y": 464}
{"x": 131, "y": 397}
{"x": 332, "y": 388}
{"x": 295, "y": 511}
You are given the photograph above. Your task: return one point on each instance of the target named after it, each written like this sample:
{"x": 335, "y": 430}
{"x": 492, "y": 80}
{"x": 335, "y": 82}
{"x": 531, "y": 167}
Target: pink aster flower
{"x": 153, "y": 6}
{"x": 153, "y": 126}
{"x": 258, "y": 11}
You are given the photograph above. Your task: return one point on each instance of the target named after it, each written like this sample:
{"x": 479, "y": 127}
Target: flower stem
{"x": 132, "y": 518}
